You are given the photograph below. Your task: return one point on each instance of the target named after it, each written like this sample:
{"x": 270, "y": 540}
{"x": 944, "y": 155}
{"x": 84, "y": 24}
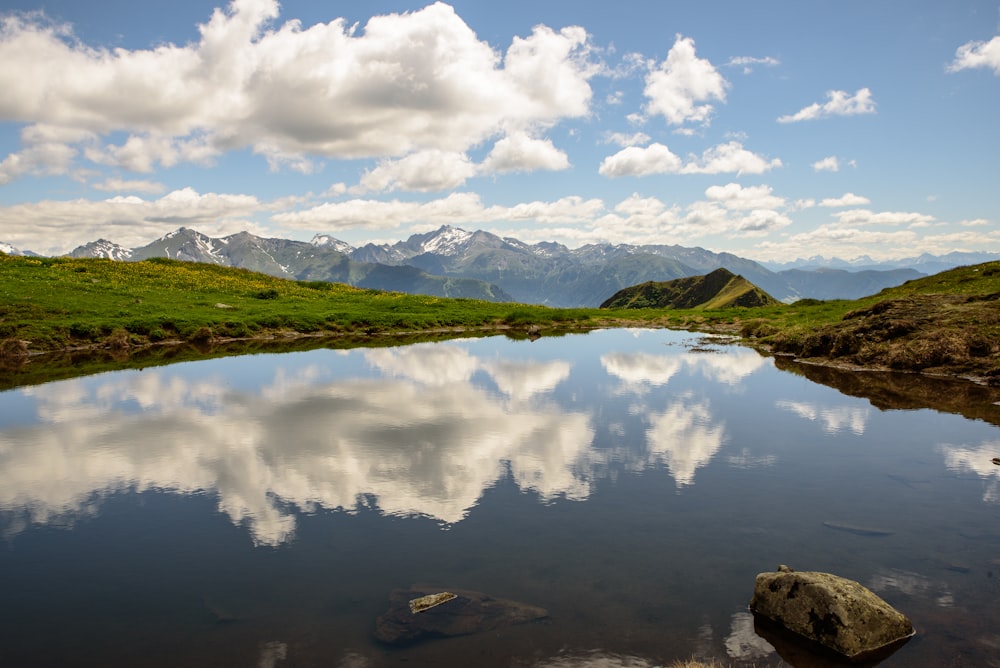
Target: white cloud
{"x": 519, "y": 152}
{"x": 734, "y": 196}
{"x": 658, "y": 159}
{"x": 635, "y": 161}
{"x": 839, "y": 103}
{"x": 405, "y": 83}
{"x": 866, "y": 217}
{"x": 973, "y": 55}
{"x": 880, "y": 244}
{"x": 424, "y": 171}
{"x": 122, "y": 185}
{"x": 748, "y": 62}
{"x": 828, "y": 164}
{"x": 847, "y": 199}
{"x": 455, "y": 209}
{"x": 730, "y": 158}
{"x": 681, "y": 82}
{"x": 142, "y": 153}
{"x": 571, "y": 209}
{"x": 622, "y": 139}
{"x": 127, "y": 220}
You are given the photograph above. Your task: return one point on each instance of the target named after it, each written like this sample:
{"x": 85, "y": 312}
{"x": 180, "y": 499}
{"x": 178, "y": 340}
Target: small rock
{"x": 221, "y": 305}
{"x": 469, "y": 612}
{"x": 996, "y": 460}
{"x": 835, "y": 612}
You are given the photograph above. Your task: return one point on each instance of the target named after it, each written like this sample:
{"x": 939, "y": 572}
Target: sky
{"x": 775, "y": 130}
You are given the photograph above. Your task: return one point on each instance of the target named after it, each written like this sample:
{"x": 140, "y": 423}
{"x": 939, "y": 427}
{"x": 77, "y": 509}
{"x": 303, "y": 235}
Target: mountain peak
{"x": 327, "y": 241}
{"x": 720, "y": 288}
{"x": 445, "y": 241}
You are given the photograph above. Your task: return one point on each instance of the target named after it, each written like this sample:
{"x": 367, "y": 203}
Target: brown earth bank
{"x": 935, "y": 334}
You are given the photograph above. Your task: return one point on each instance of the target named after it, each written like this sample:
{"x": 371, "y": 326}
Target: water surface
{"x": 259, "y": 510}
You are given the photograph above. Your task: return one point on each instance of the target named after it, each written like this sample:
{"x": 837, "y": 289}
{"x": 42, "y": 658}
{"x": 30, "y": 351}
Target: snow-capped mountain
{"x": 103, "y": 248}
{"x": 451, "y": 261}
{"x": 7, "y": 249}
{"x": 326, "y": 241}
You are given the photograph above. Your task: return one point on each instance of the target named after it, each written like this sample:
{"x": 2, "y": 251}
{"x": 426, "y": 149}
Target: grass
{"x": 947, "y": 323}
{"x": 55, "y": 303}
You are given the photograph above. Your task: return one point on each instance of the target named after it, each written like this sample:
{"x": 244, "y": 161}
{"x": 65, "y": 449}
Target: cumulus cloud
{"x": 519, "y": 152}
{"x": 624, "y": 140}
{"x": 128, "y": 220}
{"x": 636, "y": 161}
{"x": 656, "y": 158}
{"x": 681, "y": 87}
{"x": 735, "y": 196}
{"x": 403, "y": 84}
{"x": 455, "y": 209}
{"x": 847, "y": 199}
{"x": 973, "y": 55}
{"x": 839, "y": 103}
{"x": 828, "y": 164}
{"x": 424, "y": 171}
{"x": 866, "y": 217}
{"x": 879, "y": 243}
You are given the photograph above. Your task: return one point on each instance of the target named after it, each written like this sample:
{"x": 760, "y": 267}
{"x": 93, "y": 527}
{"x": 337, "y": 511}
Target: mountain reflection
{"x": 426, "y": 438}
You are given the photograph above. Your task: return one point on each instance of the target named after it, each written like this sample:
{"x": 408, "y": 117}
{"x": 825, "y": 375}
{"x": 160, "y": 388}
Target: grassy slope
{"x": 717, "y": 290}
{"x": 55, "y": 303}
{"x": 947, "y": 323}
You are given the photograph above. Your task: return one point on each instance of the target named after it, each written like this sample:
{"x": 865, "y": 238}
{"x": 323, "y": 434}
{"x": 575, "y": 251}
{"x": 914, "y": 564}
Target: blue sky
{"x": 774, "y": 130}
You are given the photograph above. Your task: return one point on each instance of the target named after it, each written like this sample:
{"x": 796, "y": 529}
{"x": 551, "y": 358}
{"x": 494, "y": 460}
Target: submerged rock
{"x": 468, "y": 612}
{"x": 837, "y": 613}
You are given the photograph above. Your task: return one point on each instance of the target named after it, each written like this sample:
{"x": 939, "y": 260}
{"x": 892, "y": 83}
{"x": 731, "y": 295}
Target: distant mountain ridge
{"x": 454, "y": 262}
{"x": 924, "y": 263}
{"x": 319, "y": 260}
{"x": 716, "y": 289}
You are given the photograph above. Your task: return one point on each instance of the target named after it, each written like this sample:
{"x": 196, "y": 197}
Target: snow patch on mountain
{"x": 8, "y": 249}
{"x": 326, "y": 241}
{"x": 448, "y": 241}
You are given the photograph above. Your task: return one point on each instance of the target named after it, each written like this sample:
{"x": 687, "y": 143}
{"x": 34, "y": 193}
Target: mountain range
{"x": 453, "y": 262}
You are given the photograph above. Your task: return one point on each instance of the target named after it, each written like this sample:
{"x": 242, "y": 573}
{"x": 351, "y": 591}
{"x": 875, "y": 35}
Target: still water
{"x": 260, "y": 510}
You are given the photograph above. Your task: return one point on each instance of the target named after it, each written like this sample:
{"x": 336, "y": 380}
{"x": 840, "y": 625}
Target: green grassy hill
{"x": 716, "y": 290}
{"x": 56, "y": 303}
{"x": 948, "y": 323}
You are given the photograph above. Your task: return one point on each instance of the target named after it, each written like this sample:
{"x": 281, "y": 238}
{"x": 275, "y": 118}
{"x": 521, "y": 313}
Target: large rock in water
{"x": 469, "y": 612}
{"x": 835, "y": 612}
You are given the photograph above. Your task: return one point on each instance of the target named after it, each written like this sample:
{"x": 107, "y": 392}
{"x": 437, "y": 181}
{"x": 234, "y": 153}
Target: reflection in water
{"x": 911, "y": 584}
{"x": 640, "y": 371}
{"x": 649, "y": 569}
{"x": 425, "y": 439}
{"x": 834, "y": 420}
{"x": 743, "y": 642}
{"x": 684, "y": 438}
{"x": 426, "y": 445}
{"x": 978, "y": 461}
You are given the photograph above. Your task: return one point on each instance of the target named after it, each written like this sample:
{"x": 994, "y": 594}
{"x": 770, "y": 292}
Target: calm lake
{"x": 260, "y": 510}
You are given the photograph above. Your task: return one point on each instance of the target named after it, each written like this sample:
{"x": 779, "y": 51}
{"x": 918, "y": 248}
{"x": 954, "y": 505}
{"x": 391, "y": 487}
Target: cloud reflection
{"x": 640, "y": 371}
{"x": 436, "y": 428}
{"x": 427, "y": 447}
{"x": 834, "y": 419}
{"x": 978, "y": 461}
{"x": 684, "y": 438}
